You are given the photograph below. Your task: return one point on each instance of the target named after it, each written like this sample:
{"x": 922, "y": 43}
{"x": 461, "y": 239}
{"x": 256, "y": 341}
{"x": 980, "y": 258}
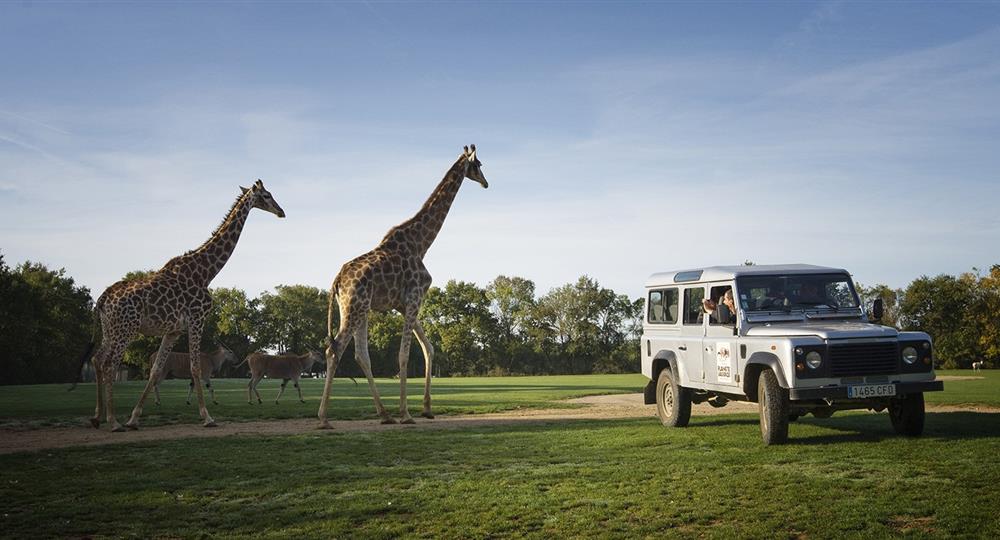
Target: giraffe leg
{"x": 365, "y": 361}
{"x": 97, "y": 362}
{"x": 155, "y": 376}
{"x": 428, "y": 350}
{"x": 156, "y": 393}
{"x": 334, "y": 352}
{"x": 114, "y": 359}
{"x": 284, "y": 382}
{"x": 194, "y": 344}
{"x": 190, "y": 391}
{"x": 404, "y": 358}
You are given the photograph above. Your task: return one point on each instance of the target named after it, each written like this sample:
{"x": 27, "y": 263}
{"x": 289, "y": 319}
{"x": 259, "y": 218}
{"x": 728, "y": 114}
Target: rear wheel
{"x": 773, "y": 403}
{"x": 673, "y": 401}
{"x": 907, "y": 414}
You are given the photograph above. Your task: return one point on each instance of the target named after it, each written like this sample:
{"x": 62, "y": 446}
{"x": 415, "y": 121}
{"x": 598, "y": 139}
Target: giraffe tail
{"x": 84, "y": 358}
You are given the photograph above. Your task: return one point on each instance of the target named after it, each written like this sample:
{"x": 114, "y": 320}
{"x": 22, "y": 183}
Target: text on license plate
{"x": 871, "y": 390}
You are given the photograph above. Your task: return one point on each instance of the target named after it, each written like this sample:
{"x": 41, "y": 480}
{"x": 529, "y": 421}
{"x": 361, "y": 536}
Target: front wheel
{"x": 907, "y": 414}
{"x": 673, "y": 401}
{"x": 773, "y": 403}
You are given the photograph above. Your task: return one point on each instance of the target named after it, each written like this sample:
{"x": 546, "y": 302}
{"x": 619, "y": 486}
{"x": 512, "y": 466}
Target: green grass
{"x": 26, "y": 407}
{"x": 848, "y": 476}
{"x": 843, "y": 477}
{"x": 985, "y": 391}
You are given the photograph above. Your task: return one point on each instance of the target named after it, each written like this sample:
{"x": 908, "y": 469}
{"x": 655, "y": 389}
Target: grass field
{"x": 847, "y": 476}
{"x": 51, "y": 405}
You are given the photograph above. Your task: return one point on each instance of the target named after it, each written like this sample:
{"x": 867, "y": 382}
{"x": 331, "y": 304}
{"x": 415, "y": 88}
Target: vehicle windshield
{"x": 796, "y": 292}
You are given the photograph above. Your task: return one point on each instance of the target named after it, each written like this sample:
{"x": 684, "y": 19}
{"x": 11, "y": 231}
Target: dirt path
{"x": 599, "y": 408}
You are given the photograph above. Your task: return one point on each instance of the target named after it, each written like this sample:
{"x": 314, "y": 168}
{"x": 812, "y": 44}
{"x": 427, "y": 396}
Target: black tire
{"x": 907, "y": 414}
{"x": 673, "y": 401}
{"x": 772, "y": 400}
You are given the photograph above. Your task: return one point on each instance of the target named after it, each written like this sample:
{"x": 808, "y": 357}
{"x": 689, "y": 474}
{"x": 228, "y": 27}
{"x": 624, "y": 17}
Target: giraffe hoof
{"x": 157, "y": 403}
{"x": 429, "y": 415}
{"x": 260, "y": 402}
{"x": 95, "y": 423}
{"x": 215, "y": 402}
{"x": 302, "y": 401}
{"x": 388, "y": 420}
{"x": 133, "y": 427}
{"x": 325, "y": 425}
{"x": 188, "y": 402}
{"x": 118, "y": 429}
{"x": 408, "y": 420}
{"x": 210, "y": 424}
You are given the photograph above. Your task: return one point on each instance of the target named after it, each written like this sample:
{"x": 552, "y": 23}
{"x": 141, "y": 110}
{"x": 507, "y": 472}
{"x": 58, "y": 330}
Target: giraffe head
{"x": 473, "y": 167}
{"x": 262, "y": 199}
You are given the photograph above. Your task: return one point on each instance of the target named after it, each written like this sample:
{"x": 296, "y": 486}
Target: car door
{"x": 692, "y": 335}
{"x": 719, "y": 345}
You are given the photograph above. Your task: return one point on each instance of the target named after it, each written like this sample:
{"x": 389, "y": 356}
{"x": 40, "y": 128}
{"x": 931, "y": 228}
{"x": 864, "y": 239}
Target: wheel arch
{"x": 663, "y": 359}
{"x": 758, "y": 362}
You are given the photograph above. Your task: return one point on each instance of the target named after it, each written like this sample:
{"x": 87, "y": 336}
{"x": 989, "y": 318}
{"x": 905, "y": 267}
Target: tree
{"x": 943, "y": 307}
{"x": 232, "y": 323}
{"x": 460, "y": 324}
{"x": 891, "y": 299}
{"x": 293, "y": 318}
{"x": 45, "y": 324}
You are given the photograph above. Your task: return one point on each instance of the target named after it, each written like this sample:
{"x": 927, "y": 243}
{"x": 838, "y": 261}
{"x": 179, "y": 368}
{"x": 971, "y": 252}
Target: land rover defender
{"x": 793, "y": 338}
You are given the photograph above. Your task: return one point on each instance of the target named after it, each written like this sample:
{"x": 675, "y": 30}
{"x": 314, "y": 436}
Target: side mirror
{"x": 877, "y": 310}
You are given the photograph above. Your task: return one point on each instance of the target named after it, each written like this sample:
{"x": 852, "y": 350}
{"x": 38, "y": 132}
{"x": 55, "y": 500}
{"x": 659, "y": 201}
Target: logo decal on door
{"x": 724, "y": 362}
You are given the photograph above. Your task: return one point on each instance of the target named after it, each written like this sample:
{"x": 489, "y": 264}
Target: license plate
{"x": 871, "y": 390}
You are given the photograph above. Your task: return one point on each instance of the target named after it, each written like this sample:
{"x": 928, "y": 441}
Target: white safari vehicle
{"x": 792, "y": 338}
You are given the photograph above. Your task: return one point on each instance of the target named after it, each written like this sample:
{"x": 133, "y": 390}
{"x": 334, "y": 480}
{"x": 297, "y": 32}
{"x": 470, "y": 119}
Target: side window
{"x": 692, "y": 305}
{"x": 722, "y": 314}
{"x": 663, "y": 306}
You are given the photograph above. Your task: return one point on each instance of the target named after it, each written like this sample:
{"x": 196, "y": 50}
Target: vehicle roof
{"x": 728, "y": 273}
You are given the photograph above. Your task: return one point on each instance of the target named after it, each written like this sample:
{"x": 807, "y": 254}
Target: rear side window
{"x": 663, "y": 306}
{"x": 692, "y": 305}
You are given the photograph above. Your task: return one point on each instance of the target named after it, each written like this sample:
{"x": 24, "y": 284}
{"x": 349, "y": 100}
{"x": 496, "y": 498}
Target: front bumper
{"x": 840, "y": 392}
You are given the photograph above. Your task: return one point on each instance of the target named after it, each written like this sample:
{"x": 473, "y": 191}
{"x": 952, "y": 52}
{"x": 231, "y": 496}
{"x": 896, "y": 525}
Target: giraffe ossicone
{"x": 173, "y": 300}
{"x": 393, "y": 276}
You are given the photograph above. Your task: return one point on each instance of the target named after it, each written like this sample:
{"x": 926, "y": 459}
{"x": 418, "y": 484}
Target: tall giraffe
{"x": 393, "y": 276}
{"x": 166, "y": 303}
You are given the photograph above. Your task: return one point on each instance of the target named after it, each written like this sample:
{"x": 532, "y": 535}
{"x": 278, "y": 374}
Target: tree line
{"x": 504, "y": 328}
{"x": 501, "y": 329}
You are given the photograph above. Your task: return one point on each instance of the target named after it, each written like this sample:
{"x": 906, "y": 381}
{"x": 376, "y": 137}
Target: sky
{"x": 619, "y": 139}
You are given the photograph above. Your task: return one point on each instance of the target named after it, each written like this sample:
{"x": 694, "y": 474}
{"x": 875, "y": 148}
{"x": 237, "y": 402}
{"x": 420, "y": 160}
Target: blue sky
{"x": 619, "y": 139}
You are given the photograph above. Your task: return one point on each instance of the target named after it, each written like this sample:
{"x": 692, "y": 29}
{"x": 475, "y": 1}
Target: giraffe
{"x": 393, "y": 276}
{"x": 166, "y": 303}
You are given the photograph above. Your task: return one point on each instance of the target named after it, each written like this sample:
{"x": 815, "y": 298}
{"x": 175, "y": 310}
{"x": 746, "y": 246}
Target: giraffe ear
{"x": 465, "y": 150}
{"x": 472, "y": 156}
{"x": 260, "y": 183}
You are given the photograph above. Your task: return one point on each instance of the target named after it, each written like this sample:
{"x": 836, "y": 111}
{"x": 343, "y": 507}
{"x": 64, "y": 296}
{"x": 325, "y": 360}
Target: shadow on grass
{"x": 876, "y": 427}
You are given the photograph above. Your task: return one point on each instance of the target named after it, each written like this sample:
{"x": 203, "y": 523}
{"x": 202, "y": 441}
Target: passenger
{"x": 727, "y": 300}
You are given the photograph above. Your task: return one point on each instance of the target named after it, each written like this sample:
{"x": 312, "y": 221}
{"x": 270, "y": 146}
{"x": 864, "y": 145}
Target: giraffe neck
{"x": 205, "y": 262}
{"x": 420, "y": 231}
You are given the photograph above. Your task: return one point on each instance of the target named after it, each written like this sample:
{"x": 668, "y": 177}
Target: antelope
{"x": 179, "y": 365}
{"x": 282, "y": 366}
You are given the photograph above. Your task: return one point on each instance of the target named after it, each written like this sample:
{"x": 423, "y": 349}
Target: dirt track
{"x": 599, "y": 408}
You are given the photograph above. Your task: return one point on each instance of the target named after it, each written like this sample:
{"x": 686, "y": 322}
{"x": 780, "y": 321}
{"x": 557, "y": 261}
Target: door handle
{"x": 682, "y": 348}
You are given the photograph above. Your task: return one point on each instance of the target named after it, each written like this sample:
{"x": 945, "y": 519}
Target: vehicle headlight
{"x": 814, "y": 359}
{"x": 910, "y": 355}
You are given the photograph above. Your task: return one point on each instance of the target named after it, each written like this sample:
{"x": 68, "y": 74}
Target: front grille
{"x": 864, "y": 359}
